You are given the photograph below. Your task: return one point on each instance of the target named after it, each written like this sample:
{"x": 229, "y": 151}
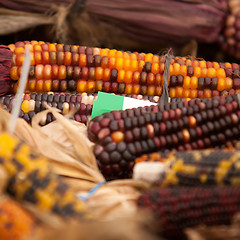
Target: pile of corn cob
{"x": 211, "y": 121}
{"x": 79, "y": 69}
{"x": 197, "y": 187}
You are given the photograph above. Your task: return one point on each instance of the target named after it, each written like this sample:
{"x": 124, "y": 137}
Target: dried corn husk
{"x": 65, "y": 143}
{"x": 134, "y": 228}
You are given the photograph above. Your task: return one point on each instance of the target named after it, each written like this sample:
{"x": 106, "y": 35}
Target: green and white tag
{"x": 107, "y": 102}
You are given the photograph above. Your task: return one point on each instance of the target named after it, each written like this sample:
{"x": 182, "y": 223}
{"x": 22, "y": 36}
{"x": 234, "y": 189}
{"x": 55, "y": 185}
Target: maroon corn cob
{"x": 178, "y": 208}
{"x": 121, "y": 136}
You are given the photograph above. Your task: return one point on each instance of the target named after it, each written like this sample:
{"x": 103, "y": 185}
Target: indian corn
{"x": 121, "y": 136}
{"x": 58, "y": 67}
{"x": 34, "y": 103}
{"x": 181, "y": 207}
{"x": 193, "y": 168}
{"x": 31, "y": 180}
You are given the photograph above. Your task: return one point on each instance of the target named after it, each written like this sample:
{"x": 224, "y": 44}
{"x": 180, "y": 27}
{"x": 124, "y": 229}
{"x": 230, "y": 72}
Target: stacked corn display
{"x": 121, "y": 136}
{"x": 60, "y": 68}
{"x": 31, "y": 180}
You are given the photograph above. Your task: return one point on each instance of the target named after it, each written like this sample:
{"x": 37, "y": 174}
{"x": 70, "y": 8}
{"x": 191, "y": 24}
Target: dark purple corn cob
{"x": 178, "y": 208}
{"x": 121, "y": 136}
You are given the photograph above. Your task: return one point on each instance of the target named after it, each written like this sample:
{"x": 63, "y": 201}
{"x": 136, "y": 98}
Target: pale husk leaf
{"x": 65, "y": 160}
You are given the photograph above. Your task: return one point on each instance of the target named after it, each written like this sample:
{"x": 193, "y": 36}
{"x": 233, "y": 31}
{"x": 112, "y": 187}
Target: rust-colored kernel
{"x": 75, "y": 59}
{"x": 104, "y": 62}
{"x": 62, "y": 72}
{"x": 186, "y": 93}
{"x": 136, "y": 89}
{"x": 19, "y": 59}
{"x": 186, "y": 135}
{"x": 45, "y": 57}
{"x": 193, "y": 93}
{"x": 39, "y": 86}
{"x": 60, "y": 58}
{"x": 207, "y": 93}
{"x": 38, "y": 57}
{"x": 106, "y": 74}
{"x": 82, "y": 60}
{"x": 47, "y": 71}
{"x": 53, "y": 58}
{"x": 32, "y": 85}
{"x": 179, "y": 92}
{"x": 192, "y": 121}
{"x": 39, "y": 71}
{"x": 55, "y": 69}
{"x": 55, "y": 85}
{"x": 68, "y": 58}
{"x": 117, "y": 136}
{"x": 14, "y": 73}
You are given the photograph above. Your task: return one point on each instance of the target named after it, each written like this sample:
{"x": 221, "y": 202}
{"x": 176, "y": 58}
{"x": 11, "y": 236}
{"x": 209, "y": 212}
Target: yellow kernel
{"x": 171, "y": 178}
{"x": 203, "y": 178}
{"x": 25, "y": 106}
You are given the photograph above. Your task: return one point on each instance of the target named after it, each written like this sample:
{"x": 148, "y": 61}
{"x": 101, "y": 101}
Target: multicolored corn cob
{"x": 121, "y": 136}
{"x": 193, "y": 168}
{"x": 58, "y": 67}
{"x": 34, "y": 103}
{"x": 31, "y": 180}
{"x": 178, "y": 208}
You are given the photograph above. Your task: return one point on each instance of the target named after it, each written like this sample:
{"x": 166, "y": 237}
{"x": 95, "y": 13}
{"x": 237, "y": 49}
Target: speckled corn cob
{"x": 58, "y": 67}
{"x": 31, "y": 180}
{"x": 34, "y": 103}
{"x": 193, "y": 168}
{"x": 178, "y": 208}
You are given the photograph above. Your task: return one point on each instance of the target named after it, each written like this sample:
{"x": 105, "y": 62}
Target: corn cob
{"x": 58, "y": 67}
{"x": 31, "y": 180}
{"x": 230, "y": 37}
{"x": 121, "y": 136}
{"x": 15, "y": 222}
{"x": 194, "y": 168}
{"x": 179, "y": 207}
{"x": 34, "y": 103}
